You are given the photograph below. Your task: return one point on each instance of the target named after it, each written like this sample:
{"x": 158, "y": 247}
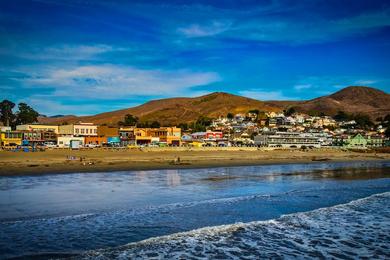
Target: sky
{"x": 84, "y": 57}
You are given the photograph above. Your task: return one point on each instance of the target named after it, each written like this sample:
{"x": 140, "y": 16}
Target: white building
{"x": 64, "y": 141}
{"x": 287, "y": 140}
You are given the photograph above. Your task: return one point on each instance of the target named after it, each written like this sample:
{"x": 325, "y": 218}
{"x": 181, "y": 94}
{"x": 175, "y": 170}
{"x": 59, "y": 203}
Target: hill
{"x": 352, "y": 100}
{"x": 172, "y": 111}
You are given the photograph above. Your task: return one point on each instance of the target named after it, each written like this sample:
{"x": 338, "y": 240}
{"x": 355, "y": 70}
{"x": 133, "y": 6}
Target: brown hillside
{"x": 172, "y": 111}
{"x": 353, "y": 100}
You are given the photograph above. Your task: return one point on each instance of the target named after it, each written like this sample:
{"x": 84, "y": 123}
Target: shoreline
{"x": 68, "y": 161}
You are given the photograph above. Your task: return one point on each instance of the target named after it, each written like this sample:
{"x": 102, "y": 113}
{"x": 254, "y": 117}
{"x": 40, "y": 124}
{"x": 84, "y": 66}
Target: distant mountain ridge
{"x": 172, "y": 111}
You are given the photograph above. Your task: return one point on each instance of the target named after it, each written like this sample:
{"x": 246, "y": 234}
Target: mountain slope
{"x": 352, "y": 100}
{"x": 172, "y": 111}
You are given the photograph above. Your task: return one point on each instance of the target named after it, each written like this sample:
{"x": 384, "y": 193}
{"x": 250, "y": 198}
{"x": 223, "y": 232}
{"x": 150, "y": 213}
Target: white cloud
{"x": 259, "y": 26}
{"x": 261, "y": 94}
{"x": 113, "y": 81}
{"x": 197, "y": 30}
{"x": 365, "y": 82}
{"x": 62, "y": 51}
{"x": 303, "y": 87}
{"x": 50, "y": 106}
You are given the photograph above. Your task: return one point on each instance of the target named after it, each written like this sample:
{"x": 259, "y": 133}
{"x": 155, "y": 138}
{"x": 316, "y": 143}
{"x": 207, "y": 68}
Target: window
{"x": 95, "y": 131}
{"x": 77, "y": 130}
{"x": 82, "y": 130}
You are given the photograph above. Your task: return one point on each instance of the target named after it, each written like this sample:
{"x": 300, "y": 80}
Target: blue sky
{"x": 85, "y": 57}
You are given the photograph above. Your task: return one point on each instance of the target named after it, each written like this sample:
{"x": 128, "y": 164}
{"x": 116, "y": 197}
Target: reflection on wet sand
{"x": 341, "y": 174}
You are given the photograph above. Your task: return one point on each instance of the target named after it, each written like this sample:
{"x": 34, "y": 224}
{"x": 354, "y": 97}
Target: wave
{"x": 360, "y": 228}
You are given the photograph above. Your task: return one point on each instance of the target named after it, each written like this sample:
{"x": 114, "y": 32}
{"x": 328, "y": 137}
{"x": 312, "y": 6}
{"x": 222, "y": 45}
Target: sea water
{"x": 338, "y": 210}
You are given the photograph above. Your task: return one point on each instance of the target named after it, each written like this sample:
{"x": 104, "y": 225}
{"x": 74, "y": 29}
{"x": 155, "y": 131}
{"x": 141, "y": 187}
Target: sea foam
{"x": 360, "y": 228}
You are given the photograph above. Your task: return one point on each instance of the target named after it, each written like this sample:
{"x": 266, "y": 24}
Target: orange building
{"x": 98, "y": 140}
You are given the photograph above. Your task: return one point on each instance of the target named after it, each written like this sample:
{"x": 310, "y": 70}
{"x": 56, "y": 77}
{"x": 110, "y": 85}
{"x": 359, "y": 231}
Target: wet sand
{"x": 100, "y": 160}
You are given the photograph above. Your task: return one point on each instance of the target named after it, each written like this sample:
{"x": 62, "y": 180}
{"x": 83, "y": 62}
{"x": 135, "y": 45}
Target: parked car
{"x": 49, "y": 144}
{"x": 92, "y": 145}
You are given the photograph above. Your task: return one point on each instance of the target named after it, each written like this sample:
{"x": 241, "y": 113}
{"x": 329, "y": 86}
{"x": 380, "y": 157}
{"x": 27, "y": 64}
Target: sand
{"x": 103, "y": 160}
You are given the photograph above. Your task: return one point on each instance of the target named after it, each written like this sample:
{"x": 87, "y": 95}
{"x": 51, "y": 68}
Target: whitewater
{"x": 358, "y": 229}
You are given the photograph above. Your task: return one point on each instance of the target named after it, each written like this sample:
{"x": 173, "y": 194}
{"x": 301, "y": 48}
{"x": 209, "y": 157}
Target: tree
{"x": 363, "y": 121}
{"x": 342, "y": 116}
{"x": 387, "y": 132}
{"x": 254, "y": 111}
{"x": 183, "y": 126}
{"x": 26, "y": 114}
{"x": 290, "y": 111}
{"x": 201, "y": 124}
{"x": 387, "y": 118}
{"x": 6, "y": 113}
{"x": 155, "y": 124}
{"x": 129, "y": 120}
{"x": 230, "y": 116}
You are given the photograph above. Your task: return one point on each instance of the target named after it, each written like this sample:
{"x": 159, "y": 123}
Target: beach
{"x": 102, "y": 160}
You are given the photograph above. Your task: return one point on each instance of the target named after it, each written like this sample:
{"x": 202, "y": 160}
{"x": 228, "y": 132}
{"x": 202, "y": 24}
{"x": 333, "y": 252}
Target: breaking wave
{"x": 360, "y": 228}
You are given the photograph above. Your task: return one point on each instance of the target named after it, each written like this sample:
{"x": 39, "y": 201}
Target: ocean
{"x": 321, "y": 210}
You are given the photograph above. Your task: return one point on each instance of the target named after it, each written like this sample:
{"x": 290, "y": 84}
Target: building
{"x": 81, "y": 129}
{"x": 356, "y": 142}
{"x": 168, "y": 135}
{"x": 11, "y": 138}
{"x": 126, "y": 136}
{"x": 107, "y": 131}
{"x": 143, "y": 136}
{"x": 287, "y": 140}
{"x": 42, "y": 128}
{"x": 375, "y": 141}
{"x": 65, "y": 141}
{"x": 95, "y": 140}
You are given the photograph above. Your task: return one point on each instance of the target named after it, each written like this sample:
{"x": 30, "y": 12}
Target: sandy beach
{"x": 99, "y": 160}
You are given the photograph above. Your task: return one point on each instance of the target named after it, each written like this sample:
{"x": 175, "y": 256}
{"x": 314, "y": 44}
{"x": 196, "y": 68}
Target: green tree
{"x": 6, "y": 114}
{"x": 363, "y": 121}
{"x": 155, "y": 124}
{"x": 183, "y": 126}
{"x": 254, "y": 111}
{"x": 201, "y": 124}
{"x": 387, "y": 132}
{"x": 342, "y": 116}
{"x": 387, "y": 118}
{"x": 290, "y": 111}
{"x": 26, "y": 114}
{"x": 129, "y": 120}
{"x": 230, "y": 116}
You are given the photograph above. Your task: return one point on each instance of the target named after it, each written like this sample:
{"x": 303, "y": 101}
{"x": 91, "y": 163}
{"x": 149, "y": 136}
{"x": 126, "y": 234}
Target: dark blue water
{"x": 63, "y": 214}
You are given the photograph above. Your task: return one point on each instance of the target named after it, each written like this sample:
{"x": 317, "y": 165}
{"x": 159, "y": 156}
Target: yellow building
{"x": 166, "y": 135}
{"x": 11, "y": 138}
{"x": 41, "y": 128}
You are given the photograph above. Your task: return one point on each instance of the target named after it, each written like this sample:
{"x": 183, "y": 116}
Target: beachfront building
{"x": 106, "y": 135}
{"x": 287, "y": 140}
{"x": 10, "y": 138}
{"x": 211, "y": 138}
{"x": 374, "y": 141}
{"x": 95, "y": 140}
{"x": 357, "y": 141}
{"x": 126, "y": 136}
{"x": 38, "y": 128}
{"x": 168, "y": 135}
{"x": 80, "y": 129}
{"x": 66, "y": 141}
